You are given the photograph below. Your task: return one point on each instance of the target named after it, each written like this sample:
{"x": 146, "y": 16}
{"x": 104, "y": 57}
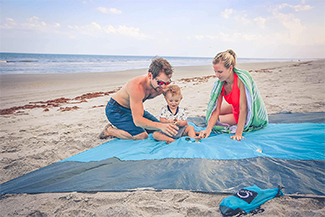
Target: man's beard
{"x": 157, "y": 89}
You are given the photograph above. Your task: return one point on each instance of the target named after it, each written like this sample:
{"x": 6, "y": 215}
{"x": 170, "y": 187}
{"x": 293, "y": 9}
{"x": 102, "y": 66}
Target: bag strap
{"x": 257, "y": 210}
{"x": 280, "y": 188}
{"x": 241, "y": 213}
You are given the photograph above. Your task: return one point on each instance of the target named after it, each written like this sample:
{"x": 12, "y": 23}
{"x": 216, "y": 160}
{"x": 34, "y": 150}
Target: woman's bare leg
{"x": 226, "y": 108}
{"x": 226, "y": 115}
{"x": 227, "y": 119}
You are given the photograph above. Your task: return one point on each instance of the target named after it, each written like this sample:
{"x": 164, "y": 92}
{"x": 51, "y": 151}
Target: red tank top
{"x": 233, "y": 97}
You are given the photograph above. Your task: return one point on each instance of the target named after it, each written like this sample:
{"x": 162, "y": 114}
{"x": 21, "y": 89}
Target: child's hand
{"x": 170, "y": 121}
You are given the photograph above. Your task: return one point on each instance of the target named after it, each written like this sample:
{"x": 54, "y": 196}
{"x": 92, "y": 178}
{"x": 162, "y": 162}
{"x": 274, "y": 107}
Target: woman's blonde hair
{"x": 228, "y": 57}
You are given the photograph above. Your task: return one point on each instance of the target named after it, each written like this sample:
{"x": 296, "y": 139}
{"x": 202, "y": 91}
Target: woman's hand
{"x": 204, "y": 134}
{"x": 237, "y": 137}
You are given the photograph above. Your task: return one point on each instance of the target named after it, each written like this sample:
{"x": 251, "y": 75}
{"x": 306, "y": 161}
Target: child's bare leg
{"x": 161, "y": 137}
{"x": 190, "y": 131}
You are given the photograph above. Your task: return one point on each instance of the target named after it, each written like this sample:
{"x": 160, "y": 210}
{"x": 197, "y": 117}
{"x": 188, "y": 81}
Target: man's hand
{"x": 169, "y": 128}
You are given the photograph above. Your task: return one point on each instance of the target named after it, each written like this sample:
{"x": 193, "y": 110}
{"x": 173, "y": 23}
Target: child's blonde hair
{"x": 174, "y": 90}
{"x": 228, "y": 57}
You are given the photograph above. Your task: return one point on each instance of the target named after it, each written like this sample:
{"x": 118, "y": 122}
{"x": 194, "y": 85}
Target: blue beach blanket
{"x": 286, "y": 141}
{"x": 287, "y": 154}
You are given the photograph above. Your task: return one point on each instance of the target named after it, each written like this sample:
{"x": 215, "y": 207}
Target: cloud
{"x": 226, "y": 14}
{"x": 90, "y": 29}
{"x": 302, "y": 7}
{"x": 238, "y": 16}
{"x": 293, "y": 25}
{"x": 109, "y": 10}
{"x": 228, "y": 37}
{"x": 243, "y": 19}
{"x": 297, "y": 8}
{"x": 260, "y": 21}
{"x": 94, "y": 29}
{"x": 131, "y": 31}
{"x": 9, "y": 24}
{"x": 33, "y": 23}
{"x": 295, "y": 30}
{"x": 199, "y": 37}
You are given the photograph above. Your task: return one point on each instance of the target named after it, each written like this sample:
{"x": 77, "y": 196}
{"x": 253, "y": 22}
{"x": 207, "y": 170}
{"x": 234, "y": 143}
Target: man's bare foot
{"x": 104, "y": 134}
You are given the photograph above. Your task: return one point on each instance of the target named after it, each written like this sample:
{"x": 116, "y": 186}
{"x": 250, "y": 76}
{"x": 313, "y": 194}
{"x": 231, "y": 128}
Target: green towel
{"x": 256, "y": 112}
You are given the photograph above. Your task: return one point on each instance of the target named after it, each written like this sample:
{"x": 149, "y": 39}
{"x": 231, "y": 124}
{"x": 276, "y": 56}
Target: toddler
{"x": 173, "y": 113}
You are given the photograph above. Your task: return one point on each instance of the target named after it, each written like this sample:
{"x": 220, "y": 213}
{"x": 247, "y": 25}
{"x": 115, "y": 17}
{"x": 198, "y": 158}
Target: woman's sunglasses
{"x": 162, "y": 82}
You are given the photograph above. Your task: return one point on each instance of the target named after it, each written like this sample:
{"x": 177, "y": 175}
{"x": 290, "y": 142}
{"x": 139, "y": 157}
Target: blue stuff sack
{"x": 247, "y": 200}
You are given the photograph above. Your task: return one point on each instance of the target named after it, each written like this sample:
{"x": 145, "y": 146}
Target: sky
{"x": 191, "y": 28}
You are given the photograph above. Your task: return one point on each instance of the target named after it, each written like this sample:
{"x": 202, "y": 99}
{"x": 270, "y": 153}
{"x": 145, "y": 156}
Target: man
{"x": 125, "y": 109}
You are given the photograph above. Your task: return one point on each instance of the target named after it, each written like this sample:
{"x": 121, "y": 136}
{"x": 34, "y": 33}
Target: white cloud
{"x": 293, "y": 25}
{"x": 9, "y": 24}
{"x": 109, "y": 29}
{"x": 131, "y": 31}
{"x": 109, "y": 10}
{"x": 228, "y": 37}
{"x": 297, "y": 8}
{"x": 94, "y": 29}
{"x": 276, "y": 28}
{"x": 199, "y": 37}
{"x": 243, "y": 19}
{"x": 33, "y": 23}
{"x": 238, "y": 16}
{"x": 295, "y": 30}
{"x": 302, "y": 7}
{"x": 239, "y": 37}
{"x": 226, "y": 14}
{"x": 91, "y": 29}
{"x": 260, "y": 21}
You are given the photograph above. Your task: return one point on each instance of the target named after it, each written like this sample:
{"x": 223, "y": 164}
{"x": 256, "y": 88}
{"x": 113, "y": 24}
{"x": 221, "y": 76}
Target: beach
{"x": 46, "y": 118}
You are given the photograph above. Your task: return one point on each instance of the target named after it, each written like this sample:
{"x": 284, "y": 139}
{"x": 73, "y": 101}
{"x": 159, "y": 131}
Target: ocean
{"x": 27, "y": 63}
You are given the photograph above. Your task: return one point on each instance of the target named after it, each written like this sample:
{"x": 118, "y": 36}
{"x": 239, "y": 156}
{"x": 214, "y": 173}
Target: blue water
{"x": 21, "y": 63}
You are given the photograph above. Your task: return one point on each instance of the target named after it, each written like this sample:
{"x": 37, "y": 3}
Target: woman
{"x": 245, "y": 106}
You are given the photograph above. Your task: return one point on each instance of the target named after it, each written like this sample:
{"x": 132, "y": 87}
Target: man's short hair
{"x": 160, "y": 65}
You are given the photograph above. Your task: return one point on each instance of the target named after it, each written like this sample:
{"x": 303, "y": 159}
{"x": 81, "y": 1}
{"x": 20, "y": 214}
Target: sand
{"x": 47, "y": 118}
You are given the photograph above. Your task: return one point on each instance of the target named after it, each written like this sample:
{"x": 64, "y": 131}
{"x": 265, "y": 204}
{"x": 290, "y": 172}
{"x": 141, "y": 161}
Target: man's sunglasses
{"x": 162, "y": 82}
